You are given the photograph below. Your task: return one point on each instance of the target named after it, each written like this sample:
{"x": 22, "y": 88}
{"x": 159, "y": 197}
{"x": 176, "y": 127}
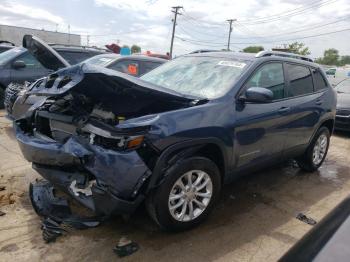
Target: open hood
{"x": 45, "y": 54}
{"x": 114, "y": 91}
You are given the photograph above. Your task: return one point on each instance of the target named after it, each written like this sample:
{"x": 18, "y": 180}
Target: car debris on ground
{"x": 125, "y": 247}
{"x": 308, "y": 220}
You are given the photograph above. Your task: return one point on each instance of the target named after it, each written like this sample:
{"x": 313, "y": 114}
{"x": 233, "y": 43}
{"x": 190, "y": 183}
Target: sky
{"x": 201, "y": 25}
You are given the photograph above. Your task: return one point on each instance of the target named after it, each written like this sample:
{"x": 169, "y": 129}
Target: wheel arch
{"x": 212, "y": 148}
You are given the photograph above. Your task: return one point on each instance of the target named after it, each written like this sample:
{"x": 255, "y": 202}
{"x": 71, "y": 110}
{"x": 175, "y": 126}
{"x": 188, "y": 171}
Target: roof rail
{"x": 284, "y": 54}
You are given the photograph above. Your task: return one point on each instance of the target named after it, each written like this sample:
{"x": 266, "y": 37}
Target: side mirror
{"x": 258, "y": 95}
{"x": 18, "y": 64}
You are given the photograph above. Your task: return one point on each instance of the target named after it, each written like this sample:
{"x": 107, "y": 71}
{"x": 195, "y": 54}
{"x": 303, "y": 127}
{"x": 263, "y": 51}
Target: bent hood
{"x": 45, "y": 54}
{"x": 120, "y": 93}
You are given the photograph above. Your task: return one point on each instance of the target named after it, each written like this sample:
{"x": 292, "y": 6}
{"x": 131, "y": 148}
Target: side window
{"x": 126, "y": 66}
{"x": 319, "y": 81}
{"x": 331, "y": 72}
{"x": 300, "y": 80}
{"x": 269, "y": 76}
{"x": 30, "y": 61}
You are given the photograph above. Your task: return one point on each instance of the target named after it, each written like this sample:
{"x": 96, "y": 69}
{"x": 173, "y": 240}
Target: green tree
{"x": 298, "y": 48}
{"x": 344, "y": 60}
{"x": 330, "y": 57}
{"x": 253, "y": 49}
{"x": 135, "y": 49}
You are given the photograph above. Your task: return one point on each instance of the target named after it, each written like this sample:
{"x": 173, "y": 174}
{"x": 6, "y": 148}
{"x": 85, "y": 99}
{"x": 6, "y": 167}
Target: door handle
{"x": 284, "y": 110}
{"x": 319, "y": 102}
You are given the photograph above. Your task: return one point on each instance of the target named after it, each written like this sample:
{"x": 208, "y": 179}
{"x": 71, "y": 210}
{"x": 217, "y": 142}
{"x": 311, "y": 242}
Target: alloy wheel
{"x": 190, "y": 195}
{"x": 319, "y": 150}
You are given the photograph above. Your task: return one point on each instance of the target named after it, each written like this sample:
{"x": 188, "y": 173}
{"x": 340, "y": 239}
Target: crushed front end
{"x": 74, "y": 139}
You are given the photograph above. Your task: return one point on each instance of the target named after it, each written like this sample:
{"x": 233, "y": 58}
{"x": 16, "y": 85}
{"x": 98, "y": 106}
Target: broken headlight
{"x": 117, "y": 143}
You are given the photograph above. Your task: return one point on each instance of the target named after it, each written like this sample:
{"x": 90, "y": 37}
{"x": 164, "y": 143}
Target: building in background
{"x": 15, "y": 34}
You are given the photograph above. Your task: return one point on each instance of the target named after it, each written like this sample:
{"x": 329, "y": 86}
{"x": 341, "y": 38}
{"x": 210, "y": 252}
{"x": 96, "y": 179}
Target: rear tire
{"x": 188, "y": 194}
{"x": 316, "y": 152}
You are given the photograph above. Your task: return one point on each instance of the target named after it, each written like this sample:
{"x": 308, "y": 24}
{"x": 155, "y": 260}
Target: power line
{"x": 257, "y": 21}
{"x": 283, "y": 13}
{"x": 295, "y": 13}
{"x": 273, "y": 41}
{"x": 305, "y": 28}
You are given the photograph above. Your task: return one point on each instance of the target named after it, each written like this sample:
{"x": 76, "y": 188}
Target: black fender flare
{"x": 319, "y": 125}
{"x": 186, "y": 148}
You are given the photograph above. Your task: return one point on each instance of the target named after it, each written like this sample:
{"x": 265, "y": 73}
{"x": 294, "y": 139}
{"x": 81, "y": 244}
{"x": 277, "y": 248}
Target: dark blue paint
{"x": 248, "y": 134}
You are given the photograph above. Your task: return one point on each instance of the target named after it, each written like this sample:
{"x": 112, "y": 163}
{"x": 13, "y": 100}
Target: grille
{"x": 11, "y": 94}
{"x": 343, "y": 112}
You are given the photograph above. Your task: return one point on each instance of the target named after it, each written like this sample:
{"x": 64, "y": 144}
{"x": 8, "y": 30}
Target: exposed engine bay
{"x": 80, "y": 135}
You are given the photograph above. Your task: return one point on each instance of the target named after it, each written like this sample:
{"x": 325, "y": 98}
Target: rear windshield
{"x": 207, "y": 77}
{"x": 9, "y": 54}
{"x": 101, "y": 60}
{"x": 75, "y": 57}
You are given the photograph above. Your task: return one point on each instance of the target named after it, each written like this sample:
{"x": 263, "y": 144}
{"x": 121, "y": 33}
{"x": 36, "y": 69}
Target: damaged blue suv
{"x": 174, "y": 137}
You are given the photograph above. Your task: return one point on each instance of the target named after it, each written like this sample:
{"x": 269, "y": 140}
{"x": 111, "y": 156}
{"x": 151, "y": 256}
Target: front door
{"x": 260, "y": 130}
{"x": 32, "y": 71}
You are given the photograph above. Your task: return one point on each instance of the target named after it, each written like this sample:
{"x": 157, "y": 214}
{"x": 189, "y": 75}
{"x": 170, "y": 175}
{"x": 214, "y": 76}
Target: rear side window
{"x": 300, "y": 80}
{"x": 74, "y": 58}
{"x": 319, "y": 81}
{"x": 269, "y": 76}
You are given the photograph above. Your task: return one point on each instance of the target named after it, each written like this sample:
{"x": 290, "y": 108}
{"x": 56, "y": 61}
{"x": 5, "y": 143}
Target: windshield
{"x": 9, "y": 54}
{"x": 344, "y": 87}
{"x": 207, "y": 77}
{"x": 101, "y": 60}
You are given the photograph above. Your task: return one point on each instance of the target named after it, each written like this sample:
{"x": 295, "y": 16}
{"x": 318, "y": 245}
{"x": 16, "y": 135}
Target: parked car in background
{"x": 337, "y": 74}
{"x": 342, "y": 120}
{"x": 5, "y": 45}
{"x": 131, "y": 65}
{"x": 135, "y": 65}
{"x": 174, "y": 136}
{"x": 17, "y": 65}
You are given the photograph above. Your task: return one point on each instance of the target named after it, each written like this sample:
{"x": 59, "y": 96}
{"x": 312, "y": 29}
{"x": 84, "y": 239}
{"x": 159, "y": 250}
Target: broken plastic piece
{"x": 125, "y": 247}
{"x": 51, "y": 230}
{"x": 57, "y": 215}
{"x": 86, "y": 191}
{"x": 305, "y": 219}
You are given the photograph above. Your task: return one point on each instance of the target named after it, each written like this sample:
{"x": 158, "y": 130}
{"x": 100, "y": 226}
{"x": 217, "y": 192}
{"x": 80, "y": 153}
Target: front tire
{"x": 188, "y": 194}
{"x": 2, "y": 98}
{"x": 316, "y": 153}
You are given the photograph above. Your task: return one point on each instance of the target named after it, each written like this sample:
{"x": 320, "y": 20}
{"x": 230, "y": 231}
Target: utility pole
{"x": 176, "y": 12}
{"x": 229, "y": 32}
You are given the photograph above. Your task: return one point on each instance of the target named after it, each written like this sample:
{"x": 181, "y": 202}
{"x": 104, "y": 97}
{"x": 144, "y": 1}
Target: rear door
{"x": 260, "y": 130}
{"x": 305, "y": 105}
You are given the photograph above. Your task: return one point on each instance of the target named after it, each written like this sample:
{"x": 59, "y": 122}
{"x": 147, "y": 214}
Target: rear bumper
{"x": 117, "y": 176}
{"x": 342, "y": 123}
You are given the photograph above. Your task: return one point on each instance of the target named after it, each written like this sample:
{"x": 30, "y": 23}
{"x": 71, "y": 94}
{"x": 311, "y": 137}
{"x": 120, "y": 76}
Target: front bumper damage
{"x": 106, "y": 181}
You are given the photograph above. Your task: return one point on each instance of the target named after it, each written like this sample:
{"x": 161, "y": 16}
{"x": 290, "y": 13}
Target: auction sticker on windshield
{"x": 232, "y": 63}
